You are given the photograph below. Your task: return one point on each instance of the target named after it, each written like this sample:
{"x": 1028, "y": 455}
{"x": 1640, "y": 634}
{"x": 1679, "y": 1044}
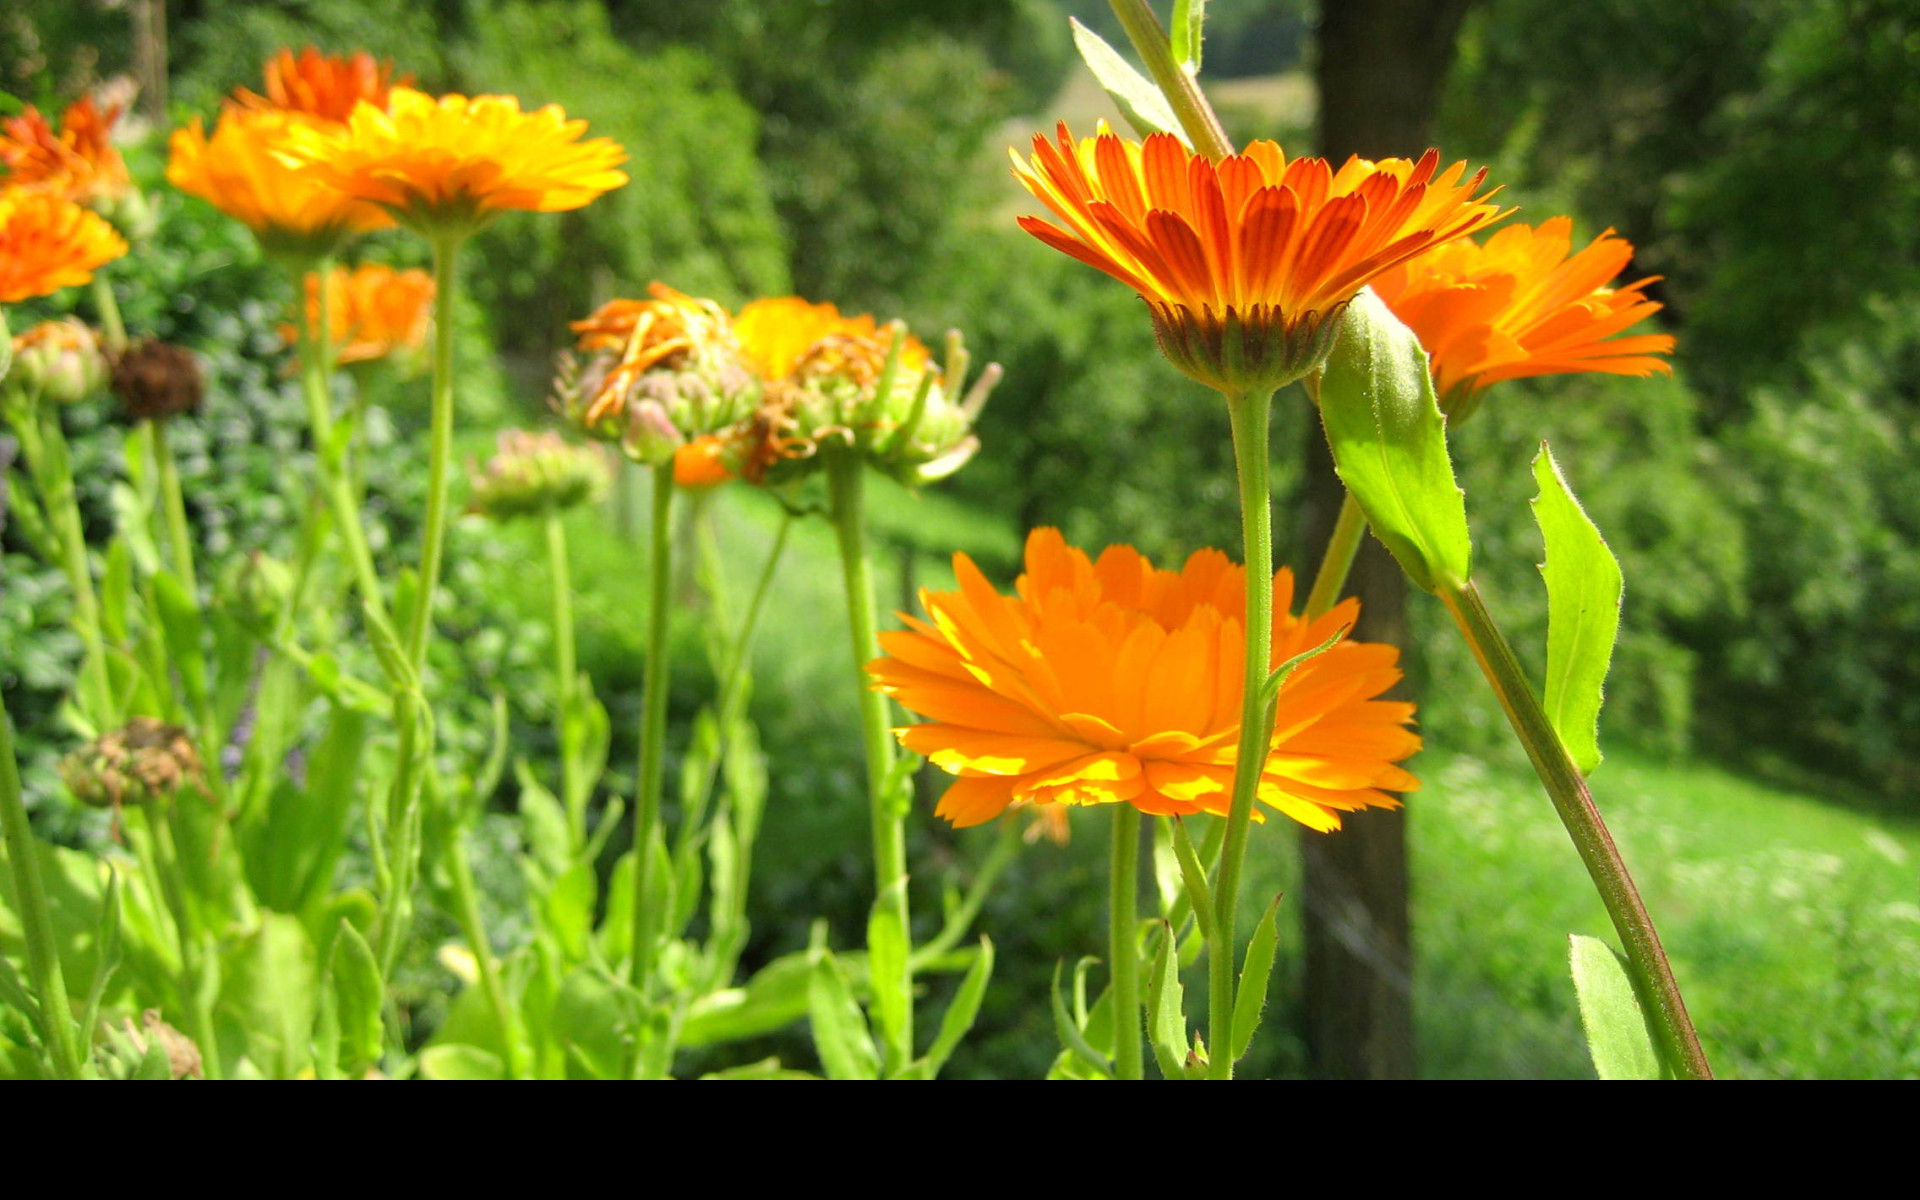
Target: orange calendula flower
{"x": 373, "y": 311}
{"x": 1519, "y": 305}
{"x": 48, "y": 242}
{"x": 323, "y": 86}
{"x": 702, "y": 463}
{"x": 241, "y": 171}
{"x": 668, "y": 329}
{"x": 1112, "y": 682}
{"x": 446, "y": 167}
{"x": 78, "y": 161}
{"x": 1246, "y": 263}
{"x": 776, "y": 334}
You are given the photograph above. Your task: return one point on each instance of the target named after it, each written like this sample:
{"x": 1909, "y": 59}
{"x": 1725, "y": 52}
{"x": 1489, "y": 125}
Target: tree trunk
{"x": 1381, "y": 67}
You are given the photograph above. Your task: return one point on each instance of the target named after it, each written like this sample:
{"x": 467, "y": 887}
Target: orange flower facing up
{"x": 373, "y": 311}
{"x": 854, "y": 382}
{"x": 445, "y": 168}
{"x": 241, "y": 171}
{"x": 1246, "y": 264}
{"x": 48, "y": 242}
{"x": 1112, "y": 682}
{"x": 1519, "y": 306}
{"x": 659, "y": 373}
{"x": 322, "y": 86}
{"x": 78, "y": 161}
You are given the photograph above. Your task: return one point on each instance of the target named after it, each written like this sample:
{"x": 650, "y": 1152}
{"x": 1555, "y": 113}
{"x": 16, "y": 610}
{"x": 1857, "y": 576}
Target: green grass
{"x": 1792, "y": 924}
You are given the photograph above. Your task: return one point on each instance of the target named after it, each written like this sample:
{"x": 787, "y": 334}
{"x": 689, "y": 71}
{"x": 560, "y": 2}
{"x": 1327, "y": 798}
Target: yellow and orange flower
{"x": 1518, "y": 306}
{"x": 666, "y": 330}
{"x": 48, "y": 242}
{"x": 702, "y": 463}
{"x": 78, "y": 162}
{"x": 241, "y": 171}
{"x": 777, "y": 334}
{"x": 1247, "y": 263}
{"x": 445, "y": 167}
{"x": 1112, "y": 682}
{"x": 323, "y": 86}
{"x": 373, "y": 311}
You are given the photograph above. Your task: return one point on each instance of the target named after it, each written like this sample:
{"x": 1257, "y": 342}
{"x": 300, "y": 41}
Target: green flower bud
{"x": 58, "y": 362}
{"x": 533, "y": 474}
{"x": 256, "y": 590}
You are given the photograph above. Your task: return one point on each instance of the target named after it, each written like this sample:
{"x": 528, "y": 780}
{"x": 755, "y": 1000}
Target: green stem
{"x": 1123, "y": 945}
{"x": 440, "y": 450}
{"x": 653, "y": 724}
{"x": 113, "y": 330}
{"x": 53, "y": 473}
{"x": 1251, "y": 415}
{"x": 1006, "y": 843}
{"x": 316, "y": 368}
{"x": 174, "y": 502}
{"x": 1652, "y": 974}
{"x": 846, "y": 503}
{"x": 565, "y": 673}
{"x": 1337, "y": 562}
{"x": 473, "y": 927}
{"x": 36, "y": 918}
{"x": 1181, "y": 89}
{"x": 173, "y": 888}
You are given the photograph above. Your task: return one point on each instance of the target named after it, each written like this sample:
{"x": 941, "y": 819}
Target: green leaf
{"x": 887, "y": 955}
{"x": 271, "y": 979}
{"x": 1584, "y": 589}
{"x": 1255, "y": 972}
{"x": 598, "y": 1019}
{"x": 358, "y": 996}
{"x": 1133, "y": 93}
{"x": 960, "y": 1014}
{"x": 386, "y": 648}
{"x": 1390, "y": 444}
{"x": 1199, "y": 893}
{"x": 1072, "y": 1037}
{"x": 775, "y": 997}
{"x": 544, "y": 822}
{"x": 1618, "y": 1035}
{"x": 1166, "y": 1008}
{"x": 110, "y": 950}
{"x": 839, "y": 1029}
{"x": 455, "y": 1061}
{"x": 180, "y": 623}
{"x": 1188, "y": 18}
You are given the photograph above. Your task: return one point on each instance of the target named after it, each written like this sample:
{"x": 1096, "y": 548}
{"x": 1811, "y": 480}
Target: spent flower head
{"x": 157, "y": 380}
{"x": 145, "y": 761}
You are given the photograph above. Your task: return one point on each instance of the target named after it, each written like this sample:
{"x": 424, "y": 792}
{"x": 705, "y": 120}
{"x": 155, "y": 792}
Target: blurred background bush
{"x": 1764, "y": 501}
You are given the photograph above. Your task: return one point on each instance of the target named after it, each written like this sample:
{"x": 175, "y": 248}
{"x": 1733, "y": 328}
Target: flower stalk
{"x": 846, "y": 505}
{"x": 566, "y": 673}
{"x": 316, "y": 368}
{"x": 440, "y": 448}
{"x": 1251, "y": 415}
{"x": 1181, "y": 89}
{"x": 1123, "y": 943}
{"x": 653, "y": 726}
{"x": 1653, "y": 980}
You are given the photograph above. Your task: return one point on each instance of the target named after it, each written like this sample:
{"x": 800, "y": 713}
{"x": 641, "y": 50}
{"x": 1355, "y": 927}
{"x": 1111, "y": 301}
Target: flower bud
{"x": 143, "y": 762}
{"x": 256, "y": 590}
{"x": 533, "y": 474}
{"x": 156, "y": 380}
{"x": 58, "y": 361}
{"x": 651, "y": 436}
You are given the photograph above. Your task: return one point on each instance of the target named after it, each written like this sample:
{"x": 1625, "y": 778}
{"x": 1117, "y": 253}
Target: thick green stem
{"x": 847, "y": 505}
{"x": 653, "y": 724}
{"x": 1123, "y": 943}
{"x": 179, "y": 535}
{"x": 1181, "y": 89}
{"x": 1652, "y": 975}
{"x": 1337, "y": 562}
{"x": 113, "y": 330}
{"x": 36, "y": 917}
{"x": 565, "y": 673}
{"x": 316, "y": 367}
{"x": 473, "y": 927}
{"x": 439, "y": 451}
{"x": 1251, "y": 416}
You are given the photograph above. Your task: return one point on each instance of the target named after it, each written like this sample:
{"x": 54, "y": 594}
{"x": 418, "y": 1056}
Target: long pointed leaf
{"x": 1584, "y": 590}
